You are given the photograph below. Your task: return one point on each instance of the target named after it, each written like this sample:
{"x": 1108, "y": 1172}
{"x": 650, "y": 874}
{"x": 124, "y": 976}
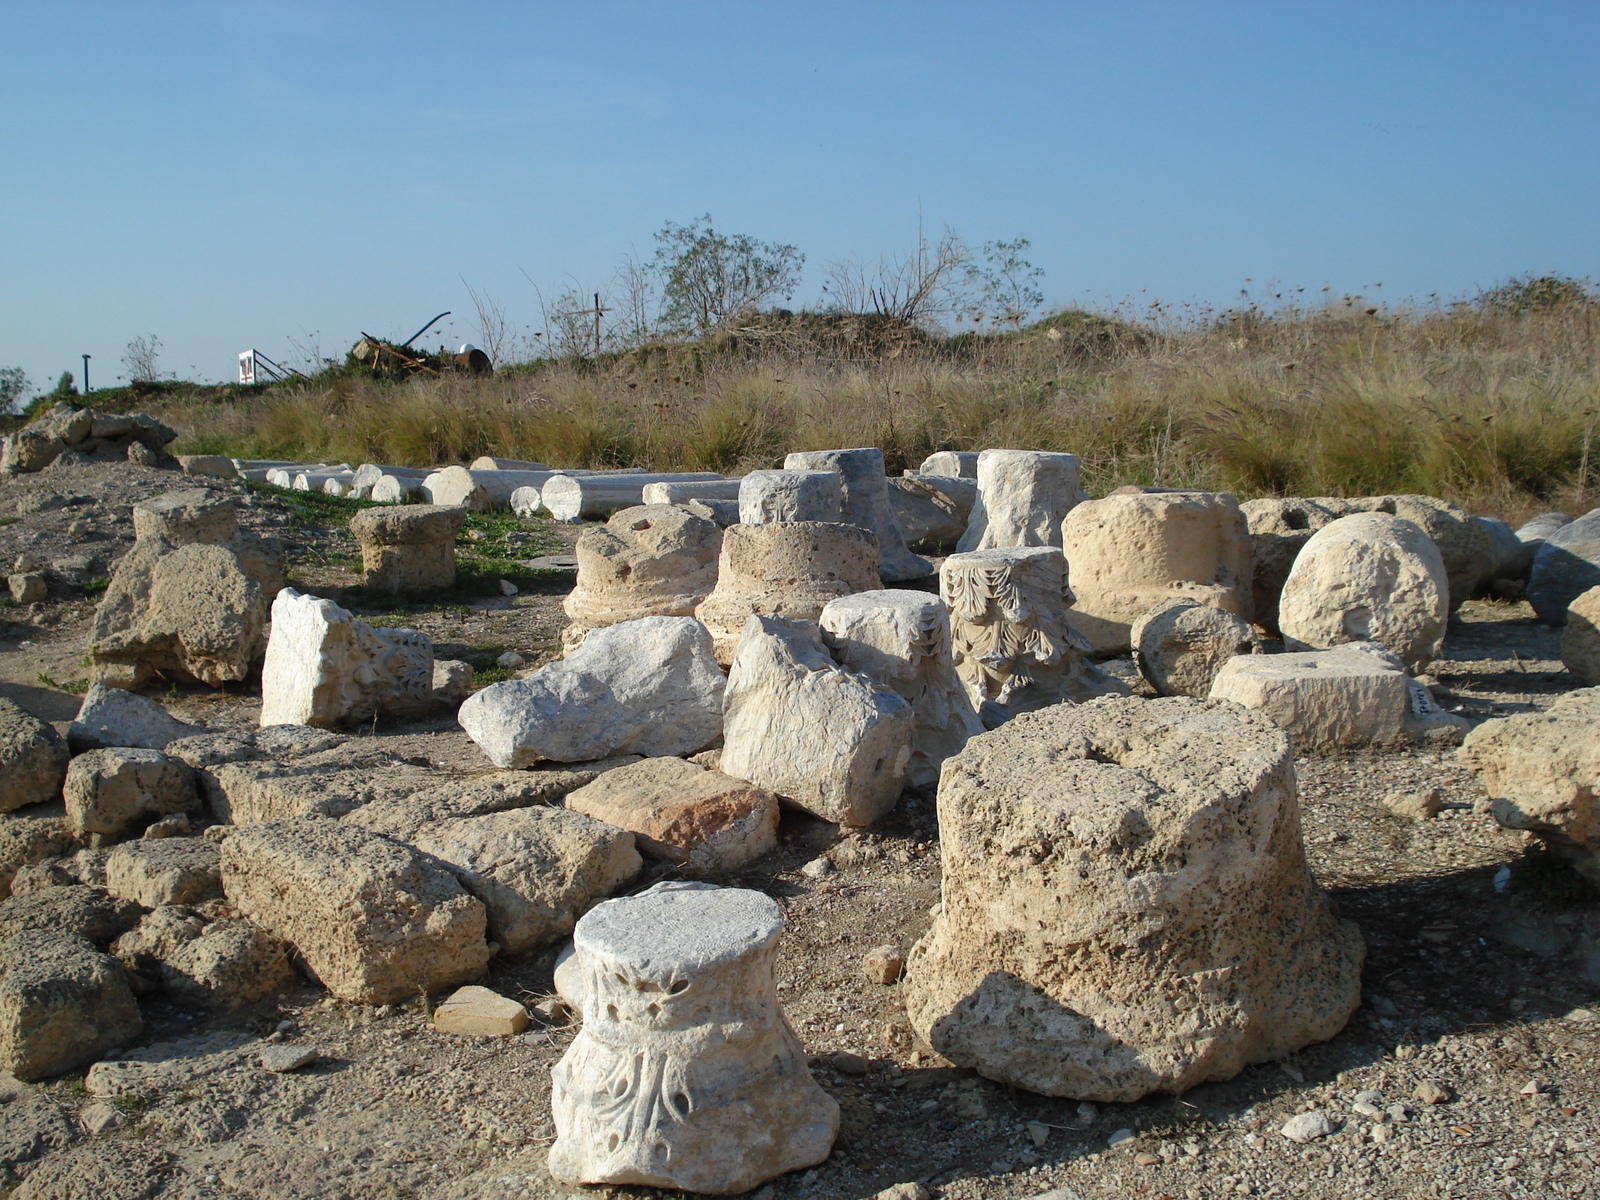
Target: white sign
{"x": 247, "y": 367}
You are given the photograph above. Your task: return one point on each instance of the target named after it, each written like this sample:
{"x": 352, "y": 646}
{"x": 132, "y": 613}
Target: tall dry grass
{"x": 1496, "y": 411}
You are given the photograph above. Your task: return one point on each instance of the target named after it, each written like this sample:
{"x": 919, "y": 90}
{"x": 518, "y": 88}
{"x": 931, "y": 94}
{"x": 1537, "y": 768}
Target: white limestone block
{"x": 1022, "y": 497}
{"x": 686, "y": 1074}
{"x": 1353, "y": 695}
{"x": 649, "y": 687}
{"x": 770, "y": 496}
{"x": 324, "y": 667}
{"x": 901, "y": 639}
{"x": 831, "y": 742}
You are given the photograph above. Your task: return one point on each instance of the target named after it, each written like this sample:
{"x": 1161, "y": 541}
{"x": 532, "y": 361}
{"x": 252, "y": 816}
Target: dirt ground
{"x": 1469, "y": 981}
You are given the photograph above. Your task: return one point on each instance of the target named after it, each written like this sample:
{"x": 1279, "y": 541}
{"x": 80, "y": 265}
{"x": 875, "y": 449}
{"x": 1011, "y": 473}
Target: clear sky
{"x": 228, "y": 175}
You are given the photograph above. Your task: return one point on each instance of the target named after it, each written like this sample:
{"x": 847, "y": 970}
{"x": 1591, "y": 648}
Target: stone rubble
{"x": 1130, "y": 552}
{"x": 192, "y": 597}
{"x": 866, "y": 506}
{"x": 409, "y": 547}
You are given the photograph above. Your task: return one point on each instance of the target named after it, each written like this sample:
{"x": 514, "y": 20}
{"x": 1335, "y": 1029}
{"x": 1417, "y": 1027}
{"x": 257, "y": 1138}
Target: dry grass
{"x": 1497, "y": 411}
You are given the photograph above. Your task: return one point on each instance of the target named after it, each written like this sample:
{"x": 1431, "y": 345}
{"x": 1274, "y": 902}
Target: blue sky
{"x": 228, "y": 175}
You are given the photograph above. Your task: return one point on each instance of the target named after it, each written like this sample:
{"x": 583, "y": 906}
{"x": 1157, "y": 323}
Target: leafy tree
{"x": 65, "y": 386}
{"x": 13, "y": 387}
{"x": 1004, "y": 288}
{"x": 709, "y": 277}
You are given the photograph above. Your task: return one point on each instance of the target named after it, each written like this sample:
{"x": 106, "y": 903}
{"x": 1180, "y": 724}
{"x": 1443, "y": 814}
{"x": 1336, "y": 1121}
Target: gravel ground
{"x": 1469, "y": 1070}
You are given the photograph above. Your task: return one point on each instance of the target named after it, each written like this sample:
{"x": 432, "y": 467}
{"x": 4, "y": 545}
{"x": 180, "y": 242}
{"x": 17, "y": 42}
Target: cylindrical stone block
{"x": 686, "y": 1073}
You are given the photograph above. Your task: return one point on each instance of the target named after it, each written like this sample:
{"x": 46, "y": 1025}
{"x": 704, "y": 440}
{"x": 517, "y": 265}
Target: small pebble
{"x": 281, "y": 1059}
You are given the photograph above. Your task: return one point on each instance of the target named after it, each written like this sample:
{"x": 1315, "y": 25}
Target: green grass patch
{"x": 310, "y": 508}
{"x": 76, "y": 687}
{"x": 95, "y": 587}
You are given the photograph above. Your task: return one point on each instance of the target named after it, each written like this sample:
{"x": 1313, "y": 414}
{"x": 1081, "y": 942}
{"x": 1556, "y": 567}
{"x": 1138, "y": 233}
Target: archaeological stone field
{"x": 506, "y": 830}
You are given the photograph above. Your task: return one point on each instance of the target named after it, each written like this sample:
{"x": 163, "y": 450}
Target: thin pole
{"x": 597, "y": 311}
{"x": 86, "y": 374}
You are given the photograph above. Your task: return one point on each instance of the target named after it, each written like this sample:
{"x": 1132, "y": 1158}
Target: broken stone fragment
{"x": 1370, "y": 577}
{"x": 682, "y": 813}
{"x": 323, "y": 667}
{"x": 650, "y": 687}
{"x": 374, "y": 920}
{"x": 63, "y": 1004}
{"x": 649, "y": 560}
{"x": 479, "y": 1012}
{"x": 118, "y": 792}
{"x": 1022, "y": 497}
{"x": 192, "y": 597}
{"x": 33, "y": 759}
{"x": 828, "y": 741}
{"x": 409, "y": 547}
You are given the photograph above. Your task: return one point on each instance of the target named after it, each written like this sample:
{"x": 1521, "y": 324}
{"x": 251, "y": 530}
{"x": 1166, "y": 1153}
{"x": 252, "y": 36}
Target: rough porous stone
{"x": 402, "y": 814}
{"x": 1012, "y": 646}
{"x": 866, "y": 506}
{"x": 452, "y": 681}
{"x": 1533, "y": 533}
{"x": 785, "y": 569}
{"x": 1509, "y": 556}
{"x": 192, "y": 597}
{"x": 650, "y": 687}
{"x": 90, "y": 912}
{"x": 324, "y": 667}
{"x": 327, "y": 783}
{"x": 1564, "y": 567}
{"x": 118, "y": 792}
{"x": 1580, "y": 638}
{"x": 647, "y": 561}
{"x": 32, "y": 835}
{"x": 112, "y": 717}
{"x": 376, "y": 921}
{"x": 33, "y": 759}
{"x": 536, "y": 870}
{"x": 28, "y": 587}
{"x": 409, "y": 547}
{"x": 684, "y": 814}
{"x": 828, "y": 741}
{"x": 1542, "y": 772}
{"x": 1279, "y": 528}
{"x": 476, "y": 1011}
{"x": 175, "y": 870}
{"x": 1465, "y": 546}
{"x": 1130, "y": 552}
{"x": 1367, "y": 577}
{"x": 686, "y": 1073}
{"x": 1181, "y": 644}
{"x": 1326, "y": 700}
{"x": 63, "y": 1004}
{"x": 1126, "y": 904}
{"x": 809, "y": 495}
{"x": 1022, "y": 497}
{"x": 901, "y": 639}
{"x": 932, "y": 509}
